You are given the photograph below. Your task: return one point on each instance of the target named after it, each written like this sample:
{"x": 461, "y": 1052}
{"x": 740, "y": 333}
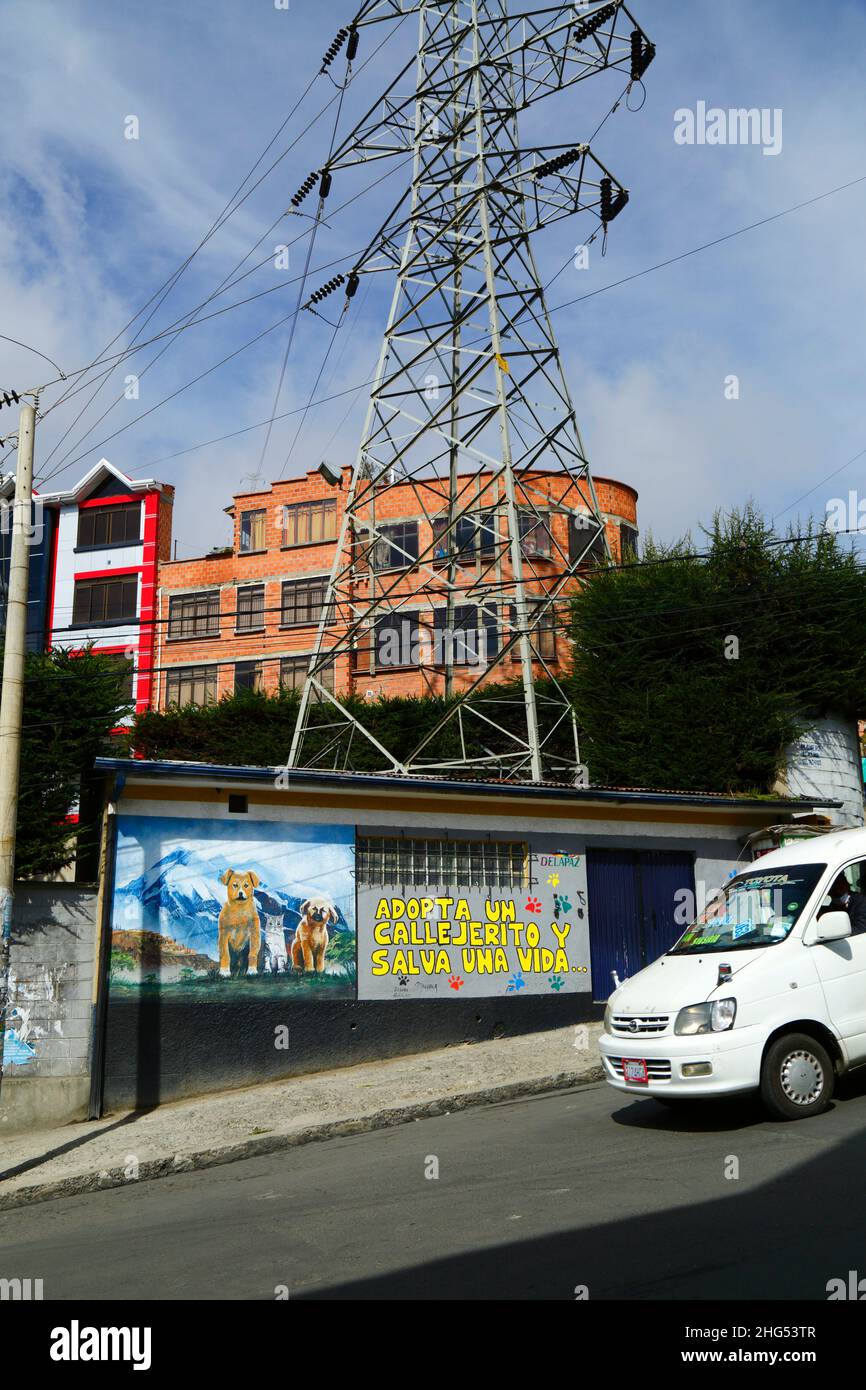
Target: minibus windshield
{"x": 754, "y": 909}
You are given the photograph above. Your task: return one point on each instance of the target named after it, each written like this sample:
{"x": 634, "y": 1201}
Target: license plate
{"x": 635, "y": 1071}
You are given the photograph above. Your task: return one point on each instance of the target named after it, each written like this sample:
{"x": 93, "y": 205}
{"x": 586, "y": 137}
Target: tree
{"x": 695, "y": 671}
{"x": 71, "y": 704}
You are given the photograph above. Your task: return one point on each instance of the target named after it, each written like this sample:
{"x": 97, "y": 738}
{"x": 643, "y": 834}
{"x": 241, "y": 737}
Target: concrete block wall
{"x": 48, "y": 1042}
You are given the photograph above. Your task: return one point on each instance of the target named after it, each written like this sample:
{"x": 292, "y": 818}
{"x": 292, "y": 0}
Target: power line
{"x": 717, "y": 241}
{"x": 215, "y": 227}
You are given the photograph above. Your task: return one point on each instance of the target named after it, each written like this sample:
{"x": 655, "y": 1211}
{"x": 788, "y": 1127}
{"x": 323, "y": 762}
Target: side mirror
{"x": 833, "y": 926}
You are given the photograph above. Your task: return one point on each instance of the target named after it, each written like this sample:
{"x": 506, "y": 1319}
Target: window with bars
{"x": 305, "y": 523}
{"x": 100, "y": 526}
{"x": 303, "y": 601}
{"x": 251, "y": 608}
{"x": 104, "y": 600}
{"x": 191, "y": 685}
{"x": 194, "y": 615}
{"x": 253, "y": 530}
{"x": 383, "y": 860}
{"x": 293, "y": 673}
{"x": 249, "y": 675}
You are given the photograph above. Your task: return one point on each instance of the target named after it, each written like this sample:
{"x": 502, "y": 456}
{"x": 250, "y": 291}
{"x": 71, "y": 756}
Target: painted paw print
{"x": 556, "y": 982}
{"x": 456, "y": 983}
{"x": 553, "y": 880}
{"x": 533, "y": 905}
{"x": 515, "y": 984}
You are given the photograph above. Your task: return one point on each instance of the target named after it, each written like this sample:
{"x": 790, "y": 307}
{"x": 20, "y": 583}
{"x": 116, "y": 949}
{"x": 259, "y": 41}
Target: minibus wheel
{"x": 797, "y": 1077}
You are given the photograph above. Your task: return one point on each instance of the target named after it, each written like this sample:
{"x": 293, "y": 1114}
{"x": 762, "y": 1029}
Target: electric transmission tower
{"x": 470, "y": 408}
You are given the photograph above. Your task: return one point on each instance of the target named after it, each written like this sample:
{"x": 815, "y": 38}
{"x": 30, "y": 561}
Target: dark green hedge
{"x": 661, "y": 696}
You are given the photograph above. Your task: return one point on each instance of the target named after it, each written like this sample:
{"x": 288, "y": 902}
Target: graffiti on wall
{"x": 35, "y": 1007}
{"x": 478, "y": 942}
{"x": 203, "y": 908}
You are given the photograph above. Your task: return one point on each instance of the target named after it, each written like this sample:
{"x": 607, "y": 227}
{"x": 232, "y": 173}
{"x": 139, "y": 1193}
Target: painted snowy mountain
{"x": 181, "y": 897}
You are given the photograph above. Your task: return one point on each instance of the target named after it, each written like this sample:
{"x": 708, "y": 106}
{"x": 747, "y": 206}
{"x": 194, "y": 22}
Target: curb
{"x": 102, "y": 1180}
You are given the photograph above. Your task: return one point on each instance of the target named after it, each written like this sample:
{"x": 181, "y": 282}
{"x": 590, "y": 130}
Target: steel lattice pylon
{"x": 470, "y": 408}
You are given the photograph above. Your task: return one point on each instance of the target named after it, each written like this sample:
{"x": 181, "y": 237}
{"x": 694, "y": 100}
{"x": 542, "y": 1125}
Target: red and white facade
{"x": 110, "y": 534}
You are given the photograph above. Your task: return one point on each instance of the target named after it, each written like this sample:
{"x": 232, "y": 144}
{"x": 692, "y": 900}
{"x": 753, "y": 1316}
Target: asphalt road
{"x": 533, "y": 1199}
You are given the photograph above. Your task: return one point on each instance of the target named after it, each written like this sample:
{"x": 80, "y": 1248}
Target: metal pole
{"x": 12, "y": 700}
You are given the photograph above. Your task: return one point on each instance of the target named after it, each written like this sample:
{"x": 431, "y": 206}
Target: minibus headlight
{"x": 608, "y": 1016}
{"x": 717, "y": 1017}
{"x": 723, "y": 1015}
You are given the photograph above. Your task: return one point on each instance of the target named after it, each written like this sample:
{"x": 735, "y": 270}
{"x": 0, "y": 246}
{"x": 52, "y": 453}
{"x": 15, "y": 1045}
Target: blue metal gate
{"x": 631, "y": 897}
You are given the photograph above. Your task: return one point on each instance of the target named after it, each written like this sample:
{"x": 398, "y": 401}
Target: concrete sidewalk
{"x": 186, "y": 1135}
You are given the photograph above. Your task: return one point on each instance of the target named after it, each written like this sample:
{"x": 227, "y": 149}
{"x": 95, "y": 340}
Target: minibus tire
{"x": 788, "y": 1067}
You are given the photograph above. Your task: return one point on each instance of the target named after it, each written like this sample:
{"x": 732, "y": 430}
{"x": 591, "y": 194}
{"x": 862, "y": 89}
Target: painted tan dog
{"x": 311, "y": 935}
{"x": 239, "y": 920}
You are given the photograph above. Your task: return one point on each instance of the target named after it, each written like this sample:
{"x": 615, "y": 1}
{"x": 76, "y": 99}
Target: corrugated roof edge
{"x": 140, "y": 767}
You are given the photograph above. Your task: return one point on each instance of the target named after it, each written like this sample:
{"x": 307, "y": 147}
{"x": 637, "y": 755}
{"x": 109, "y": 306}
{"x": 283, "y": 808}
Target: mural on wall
{"x": 431, "y": 943}
{"x": 204, "y": 908}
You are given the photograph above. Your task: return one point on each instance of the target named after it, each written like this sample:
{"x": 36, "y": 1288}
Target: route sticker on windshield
{"x": 743, "y": 928}
{"x": 705, "y": 940}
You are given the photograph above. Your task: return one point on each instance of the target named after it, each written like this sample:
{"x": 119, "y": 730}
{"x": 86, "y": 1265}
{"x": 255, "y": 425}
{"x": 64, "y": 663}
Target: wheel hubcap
{"x": 802, "y": 1077}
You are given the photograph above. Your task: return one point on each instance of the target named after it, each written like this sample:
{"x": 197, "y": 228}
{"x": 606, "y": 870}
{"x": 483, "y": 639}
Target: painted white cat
{"x": 276, "y": 957}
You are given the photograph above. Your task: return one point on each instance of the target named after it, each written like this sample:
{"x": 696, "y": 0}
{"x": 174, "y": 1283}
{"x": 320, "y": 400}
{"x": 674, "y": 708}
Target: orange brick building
{"x": 247, "y": 616}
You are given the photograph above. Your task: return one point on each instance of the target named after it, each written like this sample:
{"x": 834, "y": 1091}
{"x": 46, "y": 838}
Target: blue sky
{"x": 93, "y": 223}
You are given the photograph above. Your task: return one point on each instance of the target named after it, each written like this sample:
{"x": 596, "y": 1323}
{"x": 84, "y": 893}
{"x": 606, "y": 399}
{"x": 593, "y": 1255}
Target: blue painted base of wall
{"x": 159, "y": 1050}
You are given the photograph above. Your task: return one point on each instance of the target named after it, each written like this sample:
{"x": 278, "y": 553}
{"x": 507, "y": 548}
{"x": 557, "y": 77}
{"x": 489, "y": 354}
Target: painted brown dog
{"x": 311, "y": 935}
{"x": 239, "y": 920}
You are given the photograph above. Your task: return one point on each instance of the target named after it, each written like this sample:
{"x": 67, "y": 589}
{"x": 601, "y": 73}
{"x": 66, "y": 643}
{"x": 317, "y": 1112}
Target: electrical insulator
{"x": 594, "y": 21}
{"x": 354, "y": 40}
{"x": 611, "y": 207}
{"x": 334, "y": 49}
{"x": 352, "y": 286}
{"x": 10, "y": 397}
{"x": 561, "y": 161}
{"x": 325, "y": 185}
{"x": 642, "y": 54}
{"x": 305, "y": 188}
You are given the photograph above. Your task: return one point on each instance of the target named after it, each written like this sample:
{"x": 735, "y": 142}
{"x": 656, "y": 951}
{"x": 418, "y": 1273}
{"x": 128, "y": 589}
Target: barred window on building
{"x": 394, "y": 861}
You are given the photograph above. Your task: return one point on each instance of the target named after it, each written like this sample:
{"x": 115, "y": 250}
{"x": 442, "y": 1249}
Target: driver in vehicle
{"x": 842, "y": 899}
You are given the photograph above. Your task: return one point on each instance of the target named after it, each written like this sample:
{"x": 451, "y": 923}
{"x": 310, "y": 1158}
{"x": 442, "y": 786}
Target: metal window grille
{"x": 442, "y": 863}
